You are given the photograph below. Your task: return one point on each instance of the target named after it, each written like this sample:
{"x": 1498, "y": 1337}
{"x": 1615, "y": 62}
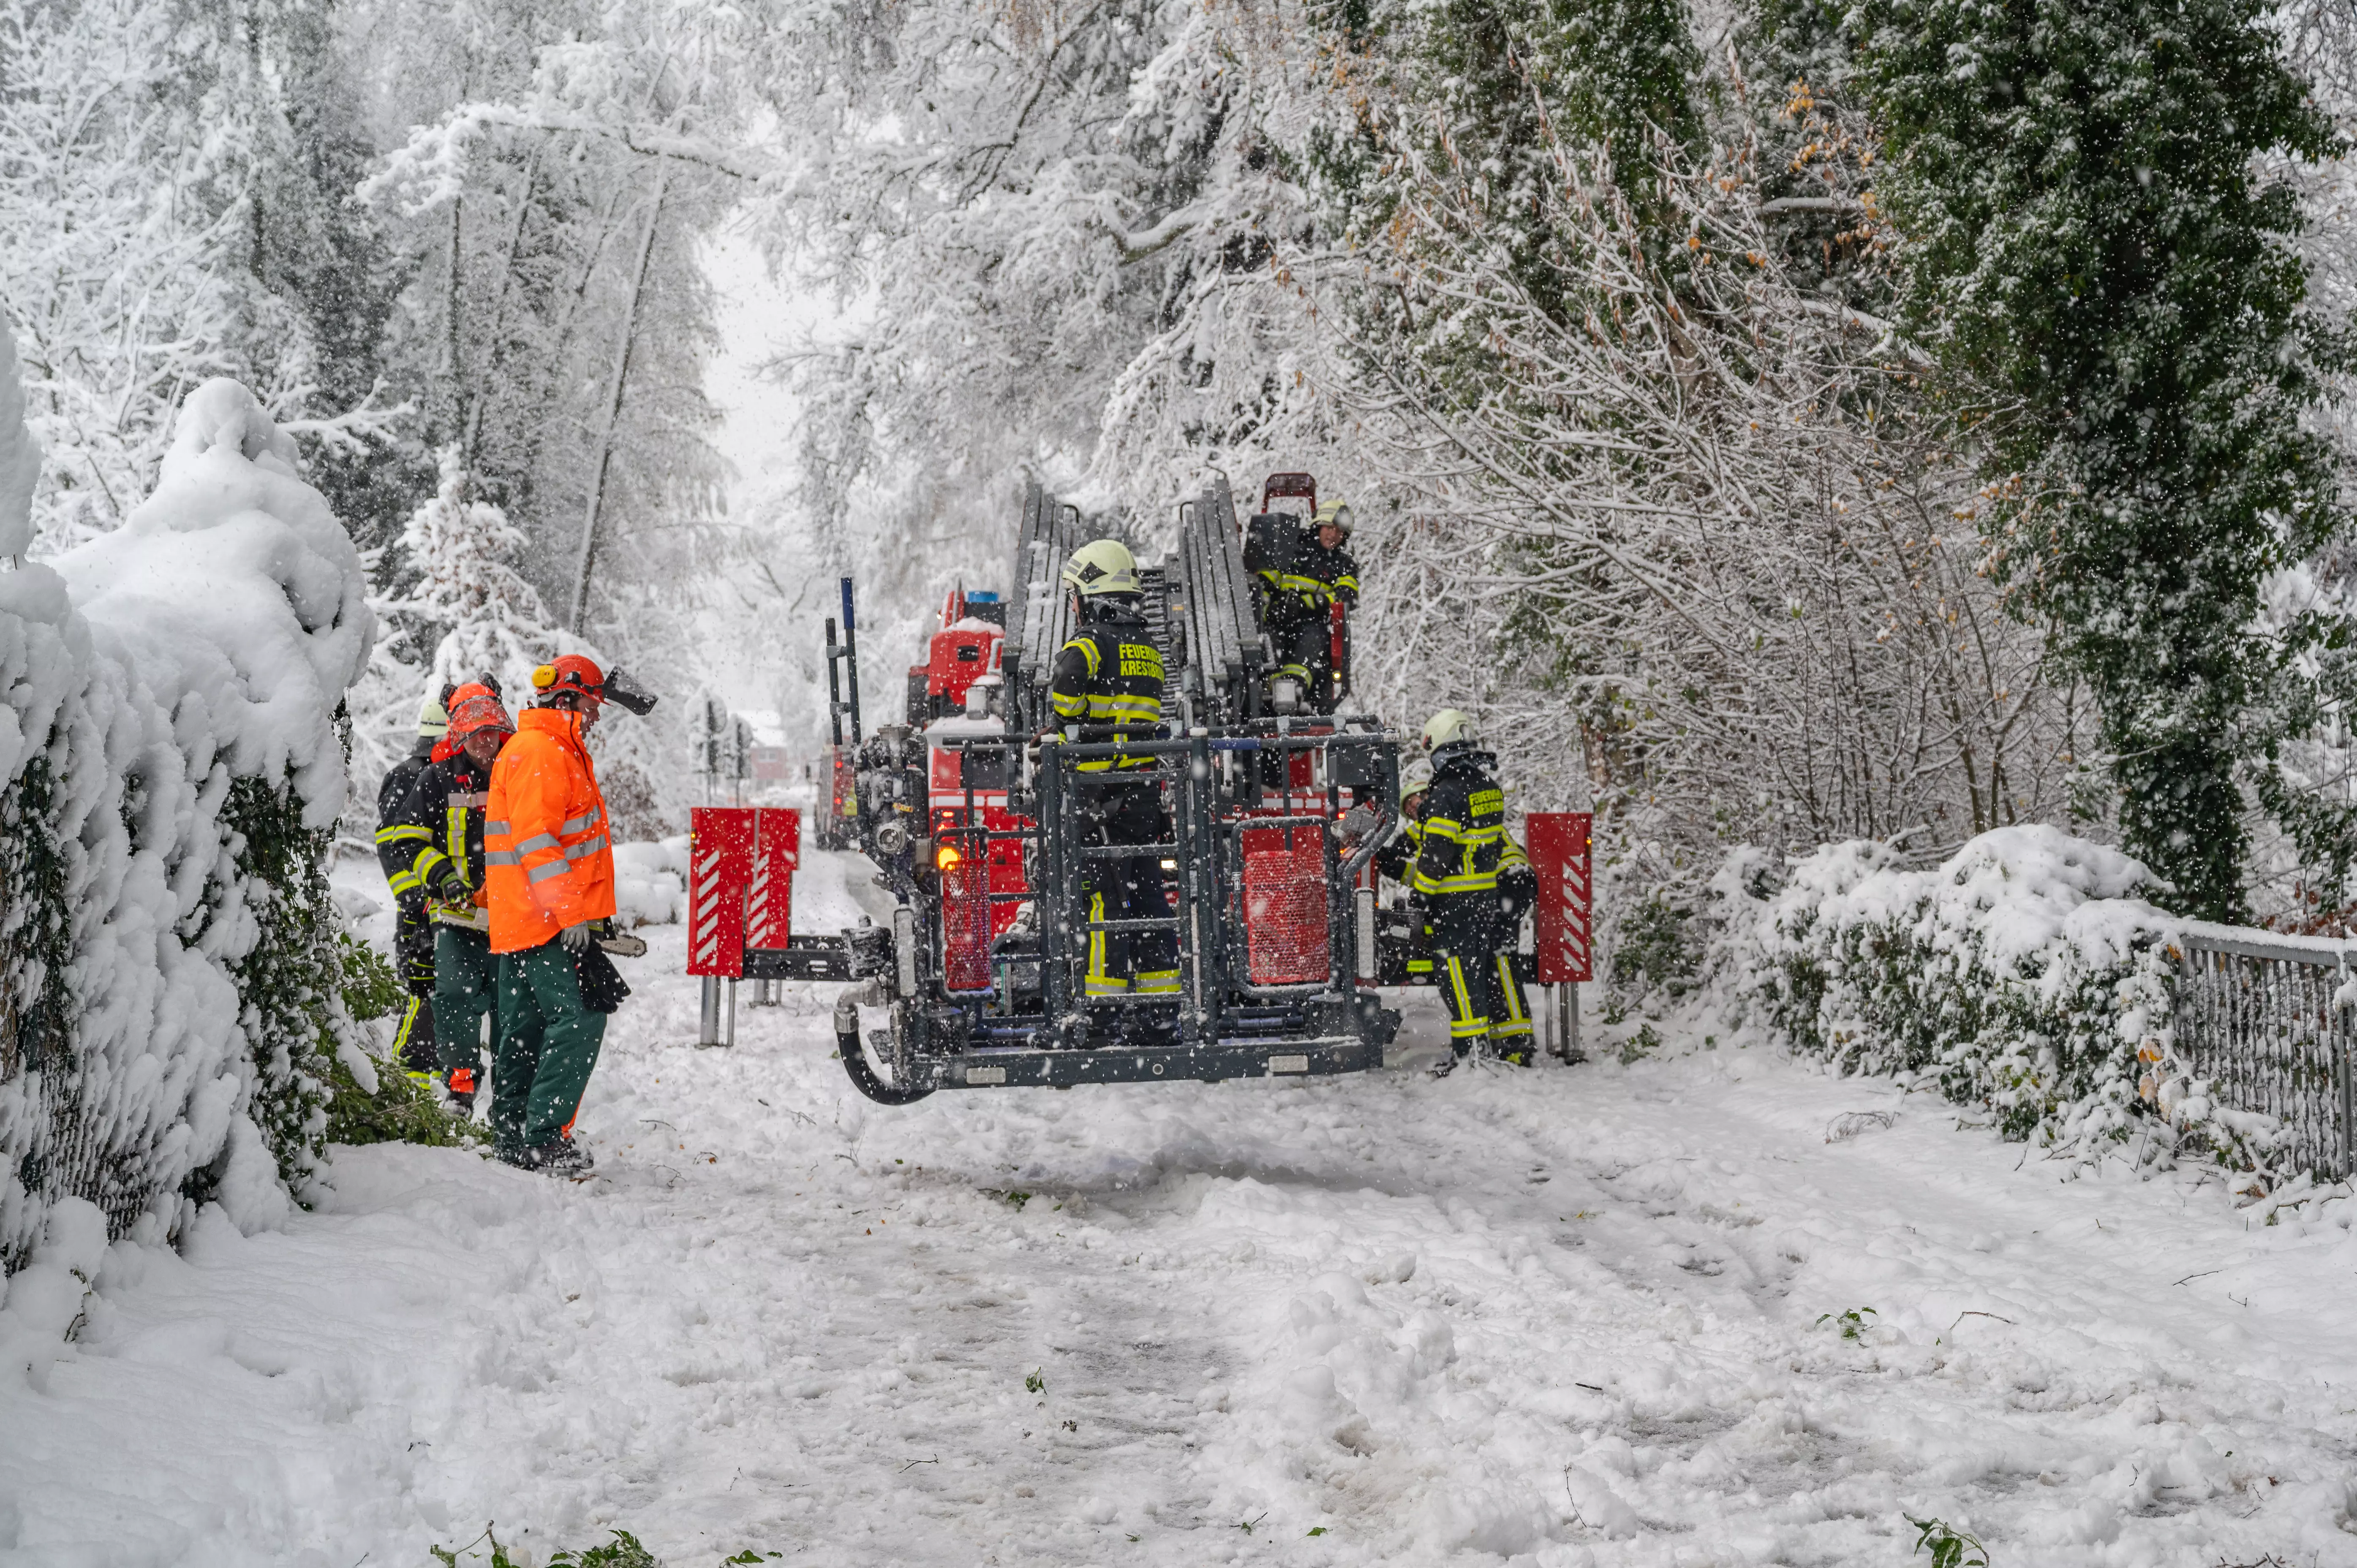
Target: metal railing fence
{"x": 2260, "y": 1015}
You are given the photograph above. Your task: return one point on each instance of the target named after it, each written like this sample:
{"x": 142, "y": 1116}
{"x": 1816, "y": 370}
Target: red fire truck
{"x": 968, "y": 808}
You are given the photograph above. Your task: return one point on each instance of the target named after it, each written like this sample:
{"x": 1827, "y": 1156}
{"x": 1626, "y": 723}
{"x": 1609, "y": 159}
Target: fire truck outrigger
{"x": 967, "y": 806}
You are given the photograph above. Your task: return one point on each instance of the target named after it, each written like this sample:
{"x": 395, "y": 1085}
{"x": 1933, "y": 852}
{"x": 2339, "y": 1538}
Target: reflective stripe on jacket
{"x": 1465, "y": 845}
{"x": 547, "y": 859}
{"x": 398, "y": 840}
{"x": 1396, "y": 859}
{"x": 445, "y": 805}
{"x": 1110, "y": 674}
{"x": 1314, "y": 577}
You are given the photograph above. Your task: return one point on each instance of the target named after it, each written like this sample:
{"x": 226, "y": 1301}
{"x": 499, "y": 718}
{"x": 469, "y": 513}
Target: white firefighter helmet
{"x": 1337, "y": 513}
{"x": 1101, "y": 566}
{"x": 1450, "y": 727}
{"x": 1415, "y": 777}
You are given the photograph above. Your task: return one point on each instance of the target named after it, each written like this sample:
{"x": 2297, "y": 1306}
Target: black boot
{"x": 562, "y": 1158}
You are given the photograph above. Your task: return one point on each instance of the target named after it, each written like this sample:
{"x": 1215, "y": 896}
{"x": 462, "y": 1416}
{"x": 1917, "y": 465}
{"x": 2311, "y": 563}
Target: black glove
{"x": 1517, "y": 891}
{"x": 449, "y": 887}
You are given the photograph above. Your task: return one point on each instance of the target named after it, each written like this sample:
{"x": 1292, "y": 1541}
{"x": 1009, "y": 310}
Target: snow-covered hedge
{"x": 170, "y": 763}
{"x": 2026, "y": 975}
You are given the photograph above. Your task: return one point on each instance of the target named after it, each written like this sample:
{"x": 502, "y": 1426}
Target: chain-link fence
{"x": 2262, "y": 1017}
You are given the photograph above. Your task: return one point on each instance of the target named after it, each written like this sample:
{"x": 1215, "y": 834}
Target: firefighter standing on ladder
{"x": 1300, "y": 598}
{"x": 446, "y": 805}
{"x": 1475, "y": 884}
{"x": 1110, "y": 674}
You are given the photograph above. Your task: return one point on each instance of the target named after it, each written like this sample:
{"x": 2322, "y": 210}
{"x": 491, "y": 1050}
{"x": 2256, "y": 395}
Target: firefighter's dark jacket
{"x": 446, "y": 808}
{"x": 1464, "y": 847}
{"x": 397, "y": 843}
{"x": 1110, "y": 674}
{"x": 1315, "y": 576}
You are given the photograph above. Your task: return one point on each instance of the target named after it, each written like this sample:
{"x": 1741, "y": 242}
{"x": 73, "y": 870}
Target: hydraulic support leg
{"x": 707, "y": 1029}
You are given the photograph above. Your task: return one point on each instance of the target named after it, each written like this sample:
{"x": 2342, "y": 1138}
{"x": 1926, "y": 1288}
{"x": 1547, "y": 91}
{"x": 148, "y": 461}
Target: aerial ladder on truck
{"x": 967, "y": 806}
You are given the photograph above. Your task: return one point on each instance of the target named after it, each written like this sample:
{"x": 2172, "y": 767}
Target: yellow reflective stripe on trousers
{"x": 408, "y": 1024}
{"x": 1463, "y": 1021}
{"x": 1516, "y": 1022}
{"x": 1157, "y": 982}
{"x": 1097, "y": 982}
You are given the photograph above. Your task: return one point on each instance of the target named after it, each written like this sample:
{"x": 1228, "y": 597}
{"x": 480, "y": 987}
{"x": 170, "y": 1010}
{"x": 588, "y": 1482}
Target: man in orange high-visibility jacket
{"x": 549, "y": 873}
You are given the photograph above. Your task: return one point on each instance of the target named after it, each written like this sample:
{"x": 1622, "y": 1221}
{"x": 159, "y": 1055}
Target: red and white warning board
{"x": 1561, "y": 924}
{"x": 741, "y": 883}
{"x": 769, "y": 895}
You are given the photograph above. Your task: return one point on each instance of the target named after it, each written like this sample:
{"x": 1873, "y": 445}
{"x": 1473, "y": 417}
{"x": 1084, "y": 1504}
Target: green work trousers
{"x": 548, "y": 1044}
{"x": 465, "y": 976}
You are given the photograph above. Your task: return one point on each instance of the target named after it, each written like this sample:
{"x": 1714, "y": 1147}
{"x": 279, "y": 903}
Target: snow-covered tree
{"x": 468, "y": 612}
{"x": 2092, "y": 239}
{"x": 117, "y": 284}
{"x": 489, "y": 617}
{"x": 170, "y": 184}
{"x": 20, "y": 453}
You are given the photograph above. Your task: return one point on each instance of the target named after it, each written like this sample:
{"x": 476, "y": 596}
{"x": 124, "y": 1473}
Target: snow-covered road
{"x": 1570, "y": 1316}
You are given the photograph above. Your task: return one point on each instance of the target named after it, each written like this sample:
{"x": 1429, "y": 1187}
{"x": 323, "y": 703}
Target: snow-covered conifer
{"x": 487, "y": 618}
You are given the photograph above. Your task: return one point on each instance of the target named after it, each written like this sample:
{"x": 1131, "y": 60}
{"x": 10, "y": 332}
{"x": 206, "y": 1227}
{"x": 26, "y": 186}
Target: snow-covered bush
{"x": 171, "y": 760}
{"x": 2027, "y": 974}
{"x": 650, "y": 882}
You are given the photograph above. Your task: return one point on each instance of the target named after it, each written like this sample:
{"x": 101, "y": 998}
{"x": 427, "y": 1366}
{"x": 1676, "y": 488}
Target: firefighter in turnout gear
{"x": 549, "y": 871}
{"x": 397, "y": 846}
{"x": 447, "y": 803}
{"x": 1397, "y": 859}
{"x": 1300, "y": 595}
{"x": 1109, "y": 674}
{"x": 1475, "y": 884}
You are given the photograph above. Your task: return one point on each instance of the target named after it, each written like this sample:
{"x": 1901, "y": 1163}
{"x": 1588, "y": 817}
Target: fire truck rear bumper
{"x": 994, "y": 1068}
